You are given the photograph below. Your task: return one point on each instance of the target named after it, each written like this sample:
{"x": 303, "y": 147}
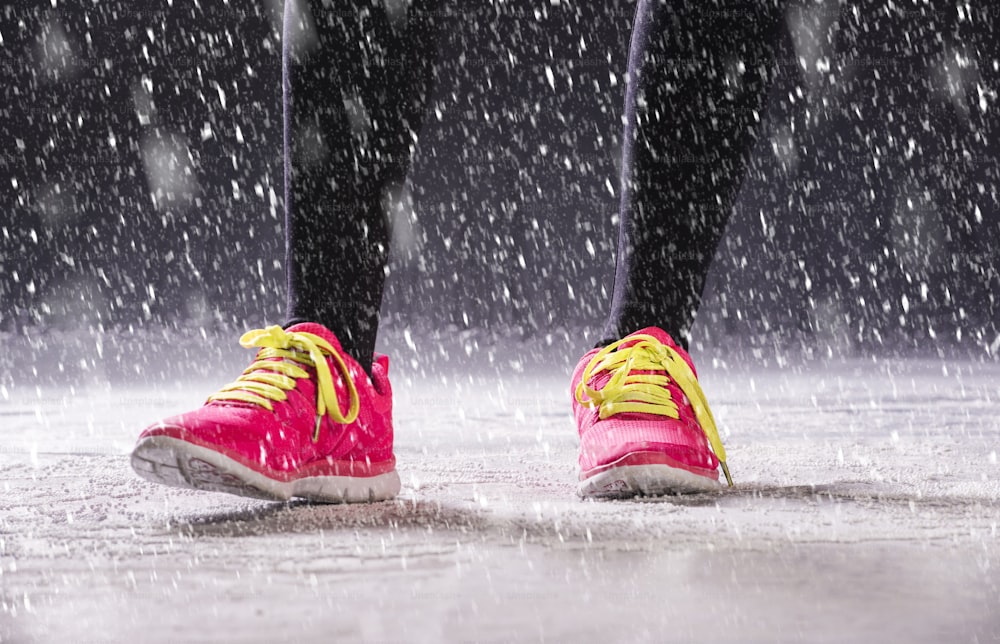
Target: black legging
{"x": 698, "y": 79}
{"x": 355, "y": 93}
{"x": 698, "y": 75}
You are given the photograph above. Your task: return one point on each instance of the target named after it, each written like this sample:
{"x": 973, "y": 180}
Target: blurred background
{"x": 140, "y": 152}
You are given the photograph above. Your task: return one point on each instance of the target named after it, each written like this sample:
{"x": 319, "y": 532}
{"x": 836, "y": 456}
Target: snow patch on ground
{"x": 866, "y": 509}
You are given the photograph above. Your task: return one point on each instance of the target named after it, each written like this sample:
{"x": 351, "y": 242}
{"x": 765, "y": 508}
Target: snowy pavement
{"x": 866, "y": 509}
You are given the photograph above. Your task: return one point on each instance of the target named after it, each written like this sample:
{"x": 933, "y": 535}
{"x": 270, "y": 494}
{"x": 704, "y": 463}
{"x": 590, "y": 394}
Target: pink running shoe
{"x": 645, "y": 427}
{"x": 303, "y": 420}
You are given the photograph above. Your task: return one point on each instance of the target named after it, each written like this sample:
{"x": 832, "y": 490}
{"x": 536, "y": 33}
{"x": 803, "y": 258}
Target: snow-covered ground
{"x": 866, "y": 509}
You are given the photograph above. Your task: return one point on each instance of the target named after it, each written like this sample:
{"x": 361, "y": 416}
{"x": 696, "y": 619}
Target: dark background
{"x": 140, "y": 147}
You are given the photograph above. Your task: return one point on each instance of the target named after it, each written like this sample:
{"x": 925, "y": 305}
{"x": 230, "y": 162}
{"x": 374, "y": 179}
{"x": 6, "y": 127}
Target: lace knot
{"x": 279, "y": 364}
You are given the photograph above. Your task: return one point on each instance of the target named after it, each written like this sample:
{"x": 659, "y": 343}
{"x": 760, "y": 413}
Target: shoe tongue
{"x": 665, "y": 338}
{"x": 317, "y": 329}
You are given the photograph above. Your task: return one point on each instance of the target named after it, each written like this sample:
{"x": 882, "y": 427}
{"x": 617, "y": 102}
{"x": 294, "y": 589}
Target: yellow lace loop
{"x": 647, "y": 393}
{"x": 277, "y": 367}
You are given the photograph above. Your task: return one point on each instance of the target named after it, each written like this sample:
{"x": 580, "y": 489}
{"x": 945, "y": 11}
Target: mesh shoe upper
{"x": 286, "y": 439}
{"x": 642, "y": 405}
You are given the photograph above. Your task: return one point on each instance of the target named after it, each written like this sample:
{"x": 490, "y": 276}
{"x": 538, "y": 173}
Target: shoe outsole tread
{"x": 629, "y": 481}
{"x": 177, "y": 463}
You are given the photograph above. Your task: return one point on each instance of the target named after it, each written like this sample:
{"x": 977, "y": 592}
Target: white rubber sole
{"x": 629, "y": 481}
{"x": 177, "y": 463}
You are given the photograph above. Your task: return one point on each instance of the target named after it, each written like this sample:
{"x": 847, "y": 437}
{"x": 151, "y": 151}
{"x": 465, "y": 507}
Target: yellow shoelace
{"x": 277, "y": 368}
{"x": 647, "y": 393}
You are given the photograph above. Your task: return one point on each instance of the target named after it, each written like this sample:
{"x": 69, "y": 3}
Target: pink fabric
{"x": 605, "y": 441}
{"x": 279, "y": 443}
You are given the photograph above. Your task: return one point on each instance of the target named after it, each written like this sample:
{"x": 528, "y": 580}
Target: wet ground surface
{"x": 866, "y": 509}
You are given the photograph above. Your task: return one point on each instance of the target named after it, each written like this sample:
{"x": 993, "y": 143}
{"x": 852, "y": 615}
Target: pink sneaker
{"x": 645, "y": 427}
{"x": 303, "y": 420}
